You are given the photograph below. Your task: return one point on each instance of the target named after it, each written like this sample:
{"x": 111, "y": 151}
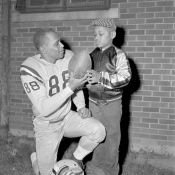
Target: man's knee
{"x": 100, "y": 132}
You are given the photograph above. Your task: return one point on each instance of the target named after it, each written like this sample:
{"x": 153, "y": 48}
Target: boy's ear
{"x": 113, "y": 34}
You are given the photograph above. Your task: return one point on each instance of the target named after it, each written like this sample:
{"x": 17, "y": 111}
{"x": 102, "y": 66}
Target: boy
{"x": 111, "y": 72}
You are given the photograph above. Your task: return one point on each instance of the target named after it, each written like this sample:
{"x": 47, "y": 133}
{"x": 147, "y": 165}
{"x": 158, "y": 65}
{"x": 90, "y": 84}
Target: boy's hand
{"x": 93, "y": 76}
{"x": 84, "y": 113}
{"x": 76, "y": 83}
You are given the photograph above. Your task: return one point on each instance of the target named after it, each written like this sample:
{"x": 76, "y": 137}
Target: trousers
{"x": 105, "y": 156}
{"x": 48, "y": 137}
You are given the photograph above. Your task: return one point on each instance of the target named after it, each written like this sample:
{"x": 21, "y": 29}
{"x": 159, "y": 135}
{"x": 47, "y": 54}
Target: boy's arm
{"x": 120, "y": 77}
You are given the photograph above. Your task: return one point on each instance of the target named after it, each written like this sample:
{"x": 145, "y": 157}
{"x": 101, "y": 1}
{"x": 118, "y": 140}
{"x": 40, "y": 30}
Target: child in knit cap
{"x": 109, "y": 75}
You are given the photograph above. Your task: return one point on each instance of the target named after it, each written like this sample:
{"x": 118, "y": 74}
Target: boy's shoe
{"x": 34, "y": 163}
{"x": 79, "y": 162}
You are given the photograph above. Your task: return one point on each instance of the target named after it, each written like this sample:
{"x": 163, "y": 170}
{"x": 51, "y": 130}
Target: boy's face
{"x": 103, "y": 36}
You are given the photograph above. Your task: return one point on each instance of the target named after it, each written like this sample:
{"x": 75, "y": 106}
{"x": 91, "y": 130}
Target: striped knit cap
{"x": 105, "y": 22}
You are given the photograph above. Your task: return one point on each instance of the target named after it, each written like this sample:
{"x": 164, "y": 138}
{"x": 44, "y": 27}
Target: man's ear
{"x": 42, "y": 50}
{"x": 113, "y": 34}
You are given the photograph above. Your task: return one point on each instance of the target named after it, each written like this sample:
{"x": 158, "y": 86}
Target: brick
{"x": 162, "y": 72}
{"x": 166, "y": 132}
{"x": 172, "y": 117}
{"x": 141, "y": 114}
{"x": 136, "y": 21}
{"x": 136, "y": 10}
{"x": 63, "y": 29}
{"x": 144, "y": 49}
{"x": 146, "y": 4}
{"x": 169, "y": 20}
{"x": 140, "y": 125}
{"x": 86, "y": 43}
{"x": 132, "y": 129}
{"x": 136, "y": 32}
{"x": 164, "y": 37}
{"x": 153, "y": 66}
{"x": 162, "y": 83}
{"x": 136, "y": 43}
{"x": 165, "y": 3}
{"x": 159, "y": 105}
{"x": 127, "y": 16}
{"x": 150, "y": 109}
{"x": 72, "y": 34}
{"x": 154, "y": 9}
{"x": 158, "y": 137}
{"x": 167, "y": 110}
{"x": 149, "y": 120}
{"x": 146, "y": 26}
{"x": 158, "y": 126}
{"x": 163, "y": 15}
{"x": 171, "y": 127}
{"x": 154, "y": 43}
{"x": 168, "y": 122}
{"x": 167, "y": 88}
{"x": 128, "y": 5}
{"x": 161, "y": 60}
{"x": 149, "y": 131}
{"x": 79, "y": 38}
{"x": 169, "y": 32}
{"x": 135, "y": 119}
{"x": 86, "y": 33}
{"x": 145, "y": 15}
{"x": 138, "y": 103}
{"x": 16, "y": 100}
{"x": 139, "y": 135}
{"x": 78, "y": 28}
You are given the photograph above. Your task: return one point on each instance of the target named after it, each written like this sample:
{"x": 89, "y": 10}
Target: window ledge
{"x": 111, "y": 13}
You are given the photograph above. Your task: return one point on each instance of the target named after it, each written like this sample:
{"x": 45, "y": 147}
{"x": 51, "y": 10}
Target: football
{"x": 67, "y": 166}
{"x": 79, "y": 64}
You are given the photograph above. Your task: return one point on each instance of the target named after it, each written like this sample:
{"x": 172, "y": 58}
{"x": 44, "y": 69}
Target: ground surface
{"x": 15, "y": 160}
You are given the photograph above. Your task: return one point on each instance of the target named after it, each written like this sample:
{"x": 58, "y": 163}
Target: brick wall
{"x": 147, "y": 34}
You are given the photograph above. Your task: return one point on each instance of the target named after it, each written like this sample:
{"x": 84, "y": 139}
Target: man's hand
{"x": 84, "y": 113}
{"x": 76, "y": 83}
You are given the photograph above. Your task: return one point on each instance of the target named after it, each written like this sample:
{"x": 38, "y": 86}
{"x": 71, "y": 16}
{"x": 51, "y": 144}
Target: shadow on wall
{"x": 129, "y": 90}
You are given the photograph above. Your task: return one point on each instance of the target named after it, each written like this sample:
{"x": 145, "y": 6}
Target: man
{"x": 49, "y": 87}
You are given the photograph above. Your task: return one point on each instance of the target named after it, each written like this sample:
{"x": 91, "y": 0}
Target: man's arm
{"x": 36, "y": 92}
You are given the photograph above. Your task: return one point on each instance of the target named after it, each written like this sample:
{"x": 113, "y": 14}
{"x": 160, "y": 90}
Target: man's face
{"x": 53, "y": 47}
{"x": 103, "y": 37}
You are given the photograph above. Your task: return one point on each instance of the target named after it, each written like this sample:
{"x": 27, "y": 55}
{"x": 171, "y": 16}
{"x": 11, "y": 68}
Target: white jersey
{"x": 46, "y": 86}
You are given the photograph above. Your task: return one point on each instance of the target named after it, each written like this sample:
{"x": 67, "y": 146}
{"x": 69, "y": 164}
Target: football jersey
{"x": 46, "y": 85}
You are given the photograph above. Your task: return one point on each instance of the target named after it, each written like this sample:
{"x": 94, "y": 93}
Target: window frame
{"x": 24, "y": 6}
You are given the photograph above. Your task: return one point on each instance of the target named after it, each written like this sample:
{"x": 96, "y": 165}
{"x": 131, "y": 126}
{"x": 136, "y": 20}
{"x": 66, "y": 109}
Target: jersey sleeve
{"x": 36, "y": 91}
{"x": 121, "y": 76}
{"x": 78, "y": 99}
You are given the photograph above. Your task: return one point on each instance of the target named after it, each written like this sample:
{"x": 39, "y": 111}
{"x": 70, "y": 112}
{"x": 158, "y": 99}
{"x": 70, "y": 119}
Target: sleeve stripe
{"x": 25, "y": 70}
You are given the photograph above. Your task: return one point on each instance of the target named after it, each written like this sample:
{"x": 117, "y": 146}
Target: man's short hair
{"x": 40, "y": 36}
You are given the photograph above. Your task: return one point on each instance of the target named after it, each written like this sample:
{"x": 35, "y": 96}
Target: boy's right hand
{"x": 76, "y": 83}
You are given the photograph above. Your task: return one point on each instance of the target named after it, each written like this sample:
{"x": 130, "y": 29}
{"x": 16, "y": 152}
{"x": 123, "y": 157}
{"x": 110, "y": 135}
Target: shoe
{"x": 34, "y": 163}
{"x": 79, "y": 162}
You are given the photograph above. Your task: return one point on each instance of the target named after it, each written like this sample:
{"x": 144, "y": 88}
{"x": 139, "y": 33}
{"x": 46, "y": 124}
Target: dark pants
{"x": 105, "y": 156}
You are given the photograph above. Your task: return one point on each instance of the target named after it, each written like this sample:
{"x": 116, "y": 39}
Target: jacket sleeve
{"x": 121, "y": 76}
